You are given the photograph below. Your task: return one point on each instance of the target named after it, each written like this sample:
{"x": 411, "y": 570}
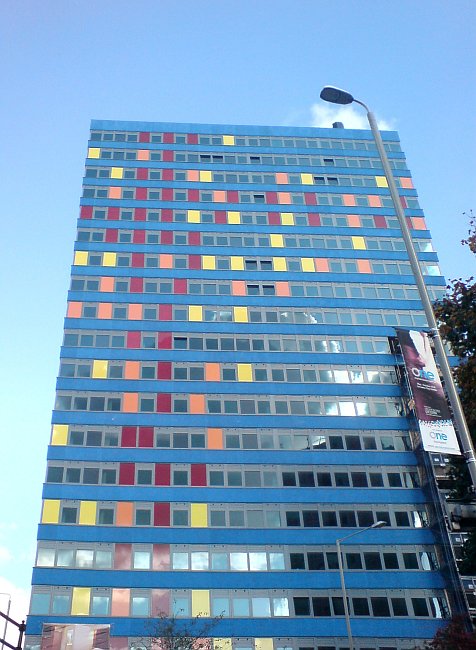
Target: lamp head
{"x": 336, "y": 95}
{"x": 379, "y": 524}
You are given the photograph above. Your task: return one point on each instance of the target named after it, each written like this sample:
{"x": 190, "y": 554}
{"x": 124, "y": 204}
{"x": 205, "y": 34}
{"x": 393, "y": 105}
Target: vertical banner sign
{"x": 434, "y": 419}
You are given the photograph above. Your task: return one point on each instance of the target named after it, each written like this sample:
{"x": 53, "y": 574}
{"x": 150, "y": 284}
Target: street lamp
{"x": 338, "y": 96}
{"x": 377, "y": 524}
{"x": 3, "y": 593}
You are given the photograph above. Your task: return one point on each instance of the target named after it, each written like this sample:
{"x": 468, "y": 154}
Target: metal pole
{"x": 344, "y": 594}
{"x": 462, "y": 428}
{"x": 6, "y": 620}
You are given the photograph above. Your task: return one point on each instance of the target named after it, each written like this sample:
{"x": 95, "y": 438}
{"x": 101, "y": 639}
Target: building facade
{"x": 229, "y": 401}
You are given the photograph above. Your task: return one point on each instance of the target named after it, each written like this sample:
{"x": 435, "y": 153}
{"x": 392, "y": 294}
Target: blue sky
{"x": 218, "y": 61}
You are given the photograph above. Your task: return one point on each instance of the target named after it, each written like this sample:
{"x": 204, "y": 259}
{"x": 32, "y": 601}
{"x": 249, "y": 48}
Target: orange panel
{"x": 364, "y": 266}
{"x": 219, "y": 196}
{"x": 407, "y": 183}
{"x": 143, "y": 154}
{"x": 130, "y": 403}
{"x": 238, "y": 288}
{"x": 166, "y": 262}
{"x": 197, "y": 403}
{"x": 282, "y": 289}
{"x": 322, "y": 265}
{"x": 418, "y": 223}
{"x": 375, "y": 201}
{"x": 124, "y": 513}
{"x": 353, "y": 220}
{"x": 193, "y": 175}
{"x": 212, "y": 372}
{"x": 281, "y": 178}
{"x": 132, "y": 370}
{"x": 107, "y": 284}
{"x": 135, "y": 312}
{"x": 215, "y": 438}
{"x": 284, "y": 197}
{"x": 349, "y": 199}
{"x": 115, "y": 192}
{"x": 120, "y": 602}
{"x": 104, "y": 310}
{"x": 74, "y": 309}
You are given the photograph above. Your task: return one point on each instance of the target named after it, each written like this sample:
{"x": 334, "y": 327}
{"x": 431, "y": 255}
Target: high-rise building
{"x": 230, "y": 402}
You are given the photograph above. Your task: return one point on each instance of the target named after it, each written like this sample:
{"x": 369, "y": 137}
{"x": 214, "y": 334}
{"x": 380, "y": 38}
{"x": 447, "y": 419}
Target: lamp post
{"x": 338, "y": 96}
{"x": 3, "y": 593}
{"x": 377, "y": 524}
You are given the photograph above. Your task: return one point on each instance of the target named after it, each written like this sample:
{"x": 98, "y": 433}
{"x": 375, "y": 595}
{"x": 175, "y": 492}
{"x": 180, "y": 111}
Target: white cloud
{"x": 323, "y": 115}
{"x": 20, "y": 599}
{"x": 5, "y": 555}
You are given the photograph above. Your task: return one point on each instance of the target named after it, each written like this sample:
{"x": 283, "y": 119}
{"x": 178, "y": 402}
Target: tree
{"x": 454, "y": 636}
{"x": 467, "y": 566}
{"x": 172, "y": 633}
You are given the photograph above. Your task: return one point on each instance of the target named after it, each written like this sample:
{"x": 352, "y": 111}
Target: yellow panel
{"x": 195, "y": 313}
{"x": 99, "y": 369}
{"x": 205, "y": 176}
{"x": 208, "y": 262}
{"x": 359, "y": 243}
{"x": 245, "y": 372}
{"x": 117, "y": 172}
{"x": 307, "y": 179}
{"x": 87, "y": 513}
{"x": 277, "y": 241}
{"x": 237, "y": 263}
{"x": 222, "y": 644}
{"x": 81, "y": 258}
{"x": 234, "y": 217}
{"x": 228, "y": 139}
{"x": 263, "y": 644}
{"x": 240, "y": 314}
{"x": 287, "y": 218}
{"x": 59, "y": 435}
{"x": 193, "y": 216}
{"x": 279, "y": 264}
{"x": 381, "y": 181}
{"x": 307, "y": 264}
{"x": 51, "y": 508}
{"x": 80, "y": 602}
{"x": 200, "y": 602}
{"x": 198, "y": 515}
{"x": 109, "y": 259}
{"x": 93, "y": 152}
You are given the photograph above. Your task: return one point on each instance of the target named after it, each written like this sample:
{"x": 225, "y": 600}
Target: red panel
{"x": 164, "y": 370}
{"x": 193, "y": 195}
{"x": 168, "y": 138}
{"x": 128, "y": 436}
{"x": 162, "y": 474}
{"x": 161, "y": 561}
{"x": 167, "y": 216}
{"x": 271, "y": 197}
{"x": 138, "y": 237}
{"x": 140, "y": 214}
{"x": 274, "y": 219}
{"x": 199, "y": 474}
{"x": 113, "y": 214}
{"x": 142, "y": 174}
{"x": 409, "y": 221}
{"x": 180, "y": 285}
{"x": 403, "y": 201}
{"x": 161, "y": 514}
{"x": 111, "y": 235}
{"x": 310, "y": 198}
{"x": 232, "y": 196}
{"x": 194, "y": 262}
{"x": 137, "y": 285}
{"x": 380, "y": 222}
{"x": 126, "y": 473}
{"x": 166, "y": 237}
{"x": 164, "y": 403}
{"x": 314, "y": 219}
{"x": 194, "y": 239}
{"x": 86, "y": 212}
{"x": 146, "y": 436}
{"x": 167, "y": 155}
{"x": 167, "y": 194}
{"x": 165, "y": 341}
{"x": 133, "y": 340}
{"x": 144, "y": 136}
{"x": 141, "y": 194}
{"x": 167, "y": 174}
{"x": 165, "y": 312}
{"x": 220, "y": 216}
{"x": 122, "y": 556}
{"x": 137, "y": 260}
{"x": 192, "y": 138}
